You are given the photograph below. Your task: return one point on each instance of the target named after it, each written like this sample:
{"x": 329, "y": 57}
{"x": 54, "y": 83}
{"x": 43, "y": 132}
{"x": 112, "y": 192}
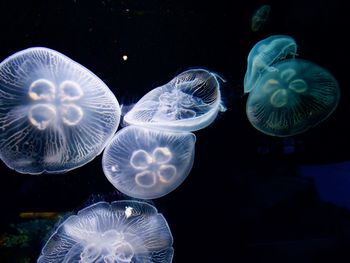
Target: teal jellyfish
{"x": 55, "y": 115}
{"x": 264, "y": 55}
{"x": 189, "y": 102}
{"x": 294, "y": 97}
{"x": 148, "y": 163}
{"x": 120, "y": 232}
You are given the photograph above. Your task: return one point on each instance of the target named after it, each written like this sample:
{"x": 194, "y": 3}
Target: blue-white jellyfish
{"x": 55, "y": 115}
{"x": 189, "y": 102}
{"x": 148, "y": 163}
{"x": 264, "y": 55}
{"x": 120, "y": 232}
{"x": 293, "y": 98}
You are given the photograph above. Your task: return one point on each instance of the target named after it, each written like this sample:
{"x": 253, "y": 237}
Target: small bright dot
{"x": 114, "y": 168}
{"x": 128, "y": 211}
{"x": 125, "y": 57}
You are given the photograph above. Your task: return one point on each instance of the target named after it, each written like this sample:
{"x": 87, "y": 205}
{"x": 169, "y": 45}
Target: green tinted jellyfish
{"x": 260, "y": 17}
{"x": 294, "y": 97}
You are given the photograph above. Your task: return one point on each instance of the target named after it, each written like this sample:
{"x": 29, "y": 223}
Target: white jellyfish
{"x": 189, "y": 102}
{"x": 55, "y": 115}
{"x": 148, "y": 163}
{"x": 120, "y": 232}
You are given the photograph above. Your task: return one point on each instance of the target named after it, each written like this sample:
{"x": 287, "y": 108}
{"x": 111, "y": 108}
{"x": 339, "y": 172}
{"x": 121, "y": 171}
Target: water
{"x": 253, "y": 194}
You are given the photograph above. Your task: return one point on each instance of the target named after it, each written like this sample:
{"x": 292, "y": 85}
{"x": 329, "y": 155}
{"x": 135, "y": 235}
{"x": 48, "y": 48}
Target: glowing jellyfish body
{"x": 55, "y": 115}
{"x": 296, "y": 96}
{"x": 120, "y": 232}
{"x": 189, "y": 102}
{"x": 264, "y": 55}
{"x": 148, "y": 163}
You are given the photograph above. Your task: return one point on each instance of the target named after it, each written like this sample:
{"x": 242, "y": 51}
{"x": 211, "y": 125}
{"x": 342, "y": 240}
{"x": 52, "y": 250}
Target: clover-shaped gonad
{"x": 153, "y": 166}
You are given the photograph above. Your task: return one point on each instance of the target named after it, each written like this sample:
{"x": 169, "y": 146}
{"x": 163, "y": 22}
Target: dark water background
{"x": 249, "y": 197}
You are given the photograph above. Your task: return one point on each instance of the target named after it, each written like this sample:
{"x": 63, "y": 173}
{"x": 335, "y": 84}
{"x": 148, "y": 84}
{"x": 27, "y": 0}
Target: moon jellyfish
{"x": 189, "y": 102}
{"x": 120, "y": 232}
{"x": 260, "y": 17}
{"x": 148, "y": 163}
{"x": 264, "y": 55}
{"x": 295, "y": 97}
{"x": 55, "y": 115}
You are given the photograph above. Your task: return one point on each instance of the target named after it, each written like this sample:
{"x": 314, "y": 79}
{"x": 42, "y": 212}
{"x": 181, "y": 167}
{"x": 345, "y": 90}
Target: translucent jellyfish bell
{"x": 55, "y": 115}
{"x": 264, "y": 55}
{"x": 189, "y": 102}
{"x": 120, "y": 232}
{"x": 148, "y": 163}
{"x": 295, "y": 97}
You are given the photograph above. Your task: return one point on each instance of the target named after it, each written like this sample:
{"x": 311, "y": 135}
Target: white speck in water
{"x": 128, "y": 211}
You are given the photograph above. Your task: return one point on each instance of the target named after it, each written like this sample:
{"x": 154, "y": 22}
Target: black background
{"x": 244, "y": 200}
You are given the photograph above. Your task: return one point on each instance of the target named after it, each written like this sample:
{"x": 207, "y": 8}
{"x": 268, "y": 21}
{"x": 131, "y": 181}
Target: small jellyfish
{"x": 264, "y": 55}
{"x": 120, "y": 232}
{"x": 148, "y": 163}
{"x": 295, "y": 97}
{"x": 55, "y": 115}
{"x": 189, "y": 102}
{"x": 260, "y": 17}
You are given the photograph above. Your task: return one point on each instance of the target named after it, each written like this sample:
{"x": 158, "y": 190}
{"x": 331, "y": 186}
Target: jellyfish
{"x": 260, "y": 17}
{"x": 117, "y": 232}
{"x": 189, "y": 102}
{"x": 264, "y": 55}
{"x": 295, "y": 97}
{"x": 55, "y": 115}
{"x": 148, "y": 163}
